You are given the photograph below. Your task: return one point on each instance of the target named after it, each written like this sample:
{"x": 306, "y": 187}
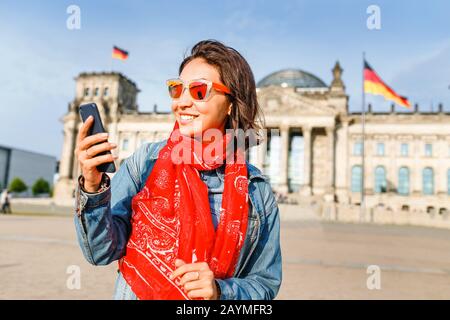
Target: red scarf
{"x": 172, "y": 218}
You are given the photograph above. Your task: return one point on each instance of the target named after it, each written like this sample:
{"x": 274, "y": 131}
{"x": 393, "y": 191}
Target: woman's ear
{"x": 230, "y": 108}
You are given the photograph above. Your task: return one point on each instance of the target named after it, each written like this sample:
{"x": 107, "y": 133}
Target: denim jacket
{"x": 103, "y": 226}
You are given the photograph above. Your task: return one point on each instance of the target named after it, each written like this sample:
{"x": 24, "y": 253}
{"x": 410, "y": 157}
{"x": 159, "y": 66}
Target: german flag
{"x": 120, "y": 54}
{"x": 374, "y": 85}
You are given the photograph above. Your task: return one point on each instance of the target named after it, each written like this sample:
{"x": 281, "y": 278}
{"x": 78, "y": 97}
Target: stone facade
{"x": 315, "y": 151}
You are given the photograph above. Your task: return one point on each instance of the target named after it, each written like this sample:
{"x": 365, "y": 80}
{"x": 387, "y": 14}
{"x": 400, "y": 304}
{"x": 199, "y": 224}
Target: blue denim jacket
{"x": 103, "y": 226}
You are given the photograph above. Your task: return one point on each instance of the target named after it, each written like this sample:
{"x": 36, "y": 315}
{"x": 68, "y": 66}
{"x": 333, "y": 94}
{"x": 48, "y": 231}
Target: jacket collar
{"x": 253, "y": 172}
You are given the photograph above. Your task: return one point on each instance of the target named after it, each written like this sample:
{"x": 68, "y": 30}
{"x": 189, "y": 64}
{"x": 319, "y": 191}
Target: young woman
{"x": 185, "y": 225}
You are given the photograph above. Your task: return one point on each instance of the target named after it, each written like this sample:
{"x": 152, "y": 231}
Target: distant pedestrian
{"x": 4, "y": 201}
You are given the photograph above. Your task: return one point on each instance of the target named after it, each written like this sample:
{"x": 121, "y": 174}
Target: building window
{"x": 125, "y": 144}
{"x": 403, "y": 181}
{"x": 448, "y": 182}
{"x": 380, "y": 149}
{"x": 86, "y": 92}
{"x": 380, "y": 179}
{"x": 428, "y": 181}
{"x": 356, "y": 178}
{"x": 428, "y": 149}
{"x": 106, "y": 91}
{"x": 357, "y": 148}
{"x": 404, "y": 150}
{"x": 96, "y": 92}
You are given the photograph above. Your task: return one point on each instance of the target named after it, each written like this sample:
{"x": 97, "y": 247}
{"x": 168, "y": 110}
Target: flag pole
{"x": 363, "y": 121}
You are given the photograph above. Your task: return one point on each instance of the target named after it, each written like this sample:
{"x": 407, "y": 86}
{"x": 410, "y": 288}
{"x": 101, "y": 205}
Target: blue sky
{"x": 40, "y": 57}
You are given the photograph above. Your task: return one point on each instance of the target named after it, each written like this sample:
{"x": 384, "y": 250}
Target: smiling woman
{"x": 186, "y": 227}
{"x": 209, "y": 110}
{"x": 228, "y": 70}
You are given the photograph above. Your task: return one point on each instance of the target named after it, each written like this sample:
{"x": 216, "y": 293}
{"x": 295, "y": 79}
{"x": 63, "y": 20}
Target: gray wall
{"x": 30, "y": 166}
{"x": 4, "y": 153}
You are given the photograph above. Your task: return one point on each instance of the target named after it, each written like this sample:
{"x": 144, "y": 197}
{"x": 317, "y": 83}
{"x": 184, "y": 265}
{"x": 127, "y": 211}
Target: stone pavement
{"x": 320, "y": 261}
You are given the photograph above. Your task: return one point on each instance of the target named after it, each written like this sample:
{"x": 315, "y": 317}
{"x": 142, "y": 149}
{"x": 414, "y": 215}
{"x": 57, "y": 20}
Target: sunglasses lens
{"x": 175, "y": 90}
{"x": 198, "y": 90}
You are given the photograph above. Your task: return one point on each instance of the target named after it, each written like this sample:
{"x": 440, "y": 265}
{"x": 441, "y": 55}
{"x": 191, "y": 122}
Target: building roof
{"x": 10, "y": 149}
{"x": 105, "y": 73}
{"x": 295, "y": 78}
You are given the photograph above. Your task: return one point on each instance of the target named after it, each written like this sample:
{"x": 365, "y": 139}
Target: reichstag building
{"x": 316, "y": 152}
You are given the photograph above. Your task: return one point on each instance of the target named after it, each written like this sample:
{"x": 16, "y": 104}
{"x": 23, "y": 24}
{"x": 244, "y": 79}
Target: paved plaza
{"x": 320, "y": 261}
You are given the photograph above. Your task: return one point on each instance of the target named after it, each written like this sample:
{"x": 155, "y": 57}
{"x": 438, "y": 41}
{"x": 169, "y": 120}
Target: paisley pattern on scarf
{"x": 171, "y": 218}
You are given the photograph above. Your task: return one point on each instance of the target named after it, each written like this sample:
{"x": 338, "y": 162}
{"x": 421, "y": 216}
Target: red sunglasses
{"x": 199, "y": 89}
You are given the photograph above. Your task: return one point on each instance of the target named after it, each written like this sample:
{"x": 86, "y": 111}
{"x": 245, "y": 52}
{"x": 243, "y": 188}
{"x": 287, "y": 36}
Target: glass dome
{"x": 291, "y": 78}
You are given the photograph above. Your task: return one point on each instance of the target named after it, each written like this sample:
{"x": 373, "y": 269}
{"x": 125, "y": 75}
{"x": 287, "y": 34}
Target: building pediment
{"x": 276, "y": 101}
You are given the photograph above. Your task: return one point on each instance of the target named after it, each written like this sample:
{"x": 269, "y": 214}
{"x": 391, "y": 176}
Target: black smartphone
{"x": 91, "y": 109}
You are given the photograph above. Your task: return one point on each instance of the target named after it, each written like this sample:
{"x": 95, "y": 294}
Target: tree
{"x": 17, "y": 185}
{"x": 40, "y": 186}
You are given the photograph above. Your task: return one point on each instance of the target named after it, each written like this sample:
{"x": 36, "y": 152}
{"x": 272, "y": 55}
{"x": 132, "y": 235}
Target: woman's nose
{"x": 185, "y": 99}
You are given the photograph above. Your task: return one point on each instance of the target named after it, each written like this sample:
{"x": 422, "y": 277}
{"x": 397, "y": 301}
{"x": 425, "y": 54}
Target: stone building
{"x": 315, "y": 153}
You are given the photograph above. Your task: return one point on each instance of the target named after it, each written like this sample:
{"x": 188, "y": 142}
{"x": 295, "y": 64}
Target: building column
{"x": 112, "y": 125}
{"x": 136, "y": 141}
{"x": 76, "y": 171}
{"x": 67, "y": 155}
{"x": 343, "y": 180}
{"x": 416, "y": 172}
{"x": 283, "y": 187}
{"x": 261, "y": 152}
{"x": 329, "y": 191}
{"x": 392, "y": 171}
{"x": 306, "y": 188}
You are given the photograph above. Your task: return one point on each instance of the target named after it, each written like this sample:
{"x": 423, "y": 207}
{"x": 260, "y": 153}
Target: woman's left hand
{"x": 197, "y": 279}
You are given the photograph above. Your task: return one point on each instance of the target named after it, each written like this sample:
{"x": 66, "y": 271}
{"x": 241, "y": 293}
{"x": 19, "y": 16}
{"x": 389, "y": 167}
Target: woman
{"x": 185, "y": 225}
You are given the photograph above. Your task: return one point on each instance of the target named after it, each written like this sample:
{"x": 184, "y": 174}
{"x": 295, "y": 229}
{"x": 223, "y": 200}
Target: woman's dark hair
{"x": 237, "y": 75}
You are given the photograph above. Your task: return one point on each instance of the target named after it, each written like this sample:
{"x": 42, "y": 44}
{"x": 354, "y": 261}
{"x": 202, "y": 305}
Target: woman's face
{"x": 208, "y": 114}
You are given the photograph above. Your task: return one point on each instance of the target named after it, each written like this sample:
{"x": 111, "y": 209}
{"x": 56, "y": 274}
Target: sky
{"x": 40, "y": 56}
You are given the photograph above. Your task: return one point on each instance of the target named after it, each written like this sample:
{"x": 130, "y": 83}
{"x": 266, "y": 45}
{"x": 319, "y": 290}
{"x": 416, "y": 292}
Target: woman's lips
{"x": 186, "y": 119}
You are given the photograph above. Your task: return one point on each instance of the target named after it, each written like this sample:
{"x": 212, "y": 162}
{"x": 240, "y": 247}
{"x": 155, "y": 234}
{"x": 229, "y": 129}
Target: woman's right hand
{"x": 86, "y": 152}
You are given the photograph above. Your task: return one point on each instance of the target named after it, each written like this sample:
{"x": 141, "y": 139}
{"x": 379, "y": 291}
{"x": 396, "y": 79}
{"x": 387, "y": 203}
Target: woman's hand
{"x": 86, "y": 151}
{"x": 197, "y": 279}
